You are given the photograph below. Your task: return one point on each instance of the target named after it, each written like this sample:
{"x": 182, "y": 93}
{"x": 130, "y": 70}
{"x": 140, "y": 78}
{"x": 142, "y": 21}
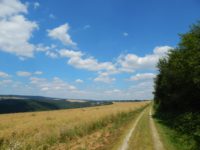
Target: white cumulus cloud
{"x": 161, "y": 50}
{"x": 79, "y": 81}
{"x": 132, "y": 62}
{"x": 124, "y": 63}
{"x": 11, "y": 7}
{"x": 89, "y": 63}
{"x": 15, "y": 29}
{"x": 61, "y": 33}
{"x": 70, "y": 53}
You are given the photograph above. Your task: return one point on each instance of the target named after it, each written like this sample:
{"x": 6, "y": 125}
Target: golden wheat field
{"x": 53, "y": 129}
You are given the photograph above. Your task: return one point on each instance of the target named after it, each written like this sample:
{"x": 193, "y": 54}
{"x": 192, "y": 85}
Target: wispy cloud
{"x": 87, "y": 27}
{"x": 27, "y": 74}
{"x": 23, "y": 73}
{"x": 52, "y": 16}
{"x": 125, "y": 34}
{"x": 36, "y": 5}
{"x": 4, "y": 74}
{"x": 104, "y": 77}
{"x": 142, "y": 76}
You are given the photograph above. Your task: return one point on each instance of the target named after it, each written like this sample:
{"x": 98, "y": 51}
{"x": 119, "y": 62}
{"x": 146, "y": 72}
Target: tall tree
{"x": 177, "y": 86}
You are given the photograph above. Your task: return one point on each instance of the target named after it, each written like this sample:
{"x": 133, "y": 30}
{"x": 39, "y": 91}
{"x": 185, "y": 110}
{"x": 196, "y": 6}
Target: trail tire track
{"x": 156, "y": 139}
{"x": 124, "y": 145}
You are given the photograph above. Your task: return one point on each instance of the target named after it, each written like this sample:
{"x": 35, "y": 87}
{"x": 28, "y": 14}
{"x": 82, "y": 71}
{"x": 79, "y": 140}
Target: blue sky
{"x": 91, "y": 49}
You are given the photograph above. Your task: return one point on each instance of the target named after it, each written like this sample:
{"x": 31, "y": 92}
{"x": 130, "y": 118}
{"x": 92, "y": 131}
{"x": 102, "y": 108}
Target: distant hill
{"x": 18, "y": 103}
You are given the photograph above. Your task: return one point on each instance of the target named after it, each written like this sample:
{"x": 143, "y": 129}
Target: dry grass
{"x": 40, "y": 129}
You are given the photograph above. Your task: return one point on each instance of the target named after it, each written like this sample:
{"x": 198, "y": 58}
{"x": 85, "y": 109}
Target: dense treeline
{"x": 177, "y": 86}
{"x": 177, "y": 90}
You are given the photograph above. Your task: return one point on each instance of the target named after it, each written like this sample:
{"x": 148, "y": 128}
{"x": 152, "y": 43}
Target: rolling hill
{"x": 18, "y": 103}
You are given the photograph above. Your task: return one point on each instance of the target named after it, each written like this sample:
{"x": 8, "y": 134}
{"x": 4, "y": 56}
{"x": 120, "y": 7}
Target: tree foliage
{"x": 177, "y": 85}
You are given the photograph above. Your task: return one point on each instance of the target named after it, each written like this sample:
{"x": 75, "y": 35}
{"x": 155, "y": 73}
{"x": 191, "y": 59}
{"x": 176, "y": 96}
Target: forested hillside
{"x": 15, "y": 103}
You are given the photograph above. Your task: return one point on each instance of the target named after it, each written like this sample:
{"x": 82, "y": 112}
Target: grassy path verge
{"x": 166, "y": 136}
{"x": 172, "y": 139}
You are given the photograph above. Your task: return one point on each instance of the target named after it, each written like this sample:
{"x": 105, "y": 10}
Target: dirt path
{"x": 156, "y": 139}
{"x": 137, "y": 135}
{"x": 124, "y": 145}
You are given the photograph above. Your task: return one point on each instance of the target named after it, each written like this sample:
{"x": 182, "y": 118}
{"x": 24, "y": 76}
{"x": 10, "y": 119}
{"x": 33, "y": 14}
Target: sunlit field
{"x": 61, "y": 129}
